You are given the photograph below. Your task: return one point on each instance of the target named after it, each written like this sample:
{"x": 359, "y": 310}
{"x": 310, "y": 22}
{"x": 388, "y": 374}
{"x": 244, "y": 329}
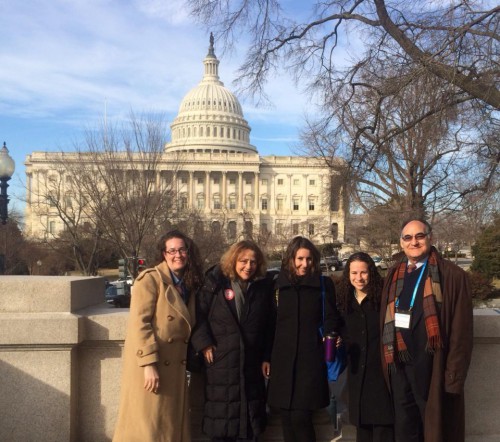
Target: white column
{"x": 272, "y": 202}
{"x": 256, "y": 191}
{"x": 191, "y": 189}
{"x": 240, "y": 190}
{"x": 306, "y": 192}
{"x": 207, "y": 190}
{"x": 224, "y": 189}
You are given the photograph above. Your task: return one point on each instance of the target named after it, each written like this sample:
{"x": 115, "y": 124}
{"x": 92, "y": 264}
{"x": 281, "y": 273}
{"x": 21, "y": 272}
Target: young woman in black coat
{"x": 358, "y": 296}
{"x": 234, "y": 328}
{"x": 298, "y": 382}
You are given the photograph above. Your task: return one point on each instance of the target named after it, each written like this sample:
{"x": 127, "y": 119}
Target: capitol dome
{"x": 210, "y": 117}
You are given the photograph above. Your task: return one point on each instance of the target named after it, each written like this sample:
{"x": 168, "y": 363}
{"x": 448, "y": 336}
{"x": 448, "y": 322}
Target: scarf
{"x": 392, "y": 338}
{"x": 239, "y": 289}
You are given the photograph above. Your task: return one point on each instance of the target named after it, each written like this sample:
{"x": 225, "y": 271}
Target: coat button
{"x": 139, "y": 352}
{"x": 170, "y": 340}
{"x": 186, "y": 341}
{"x": 166, "y": 363}
{"x": 170, "y": 317}
{"x": 183, "y": 362}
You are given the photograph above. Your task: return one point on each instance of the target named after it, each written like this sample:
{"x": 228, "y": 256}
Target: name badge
{"x": 403, "y": 319}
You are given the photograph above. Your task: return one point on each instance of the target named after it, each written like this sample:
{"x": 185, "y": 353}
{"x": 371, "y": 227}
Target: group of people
{"x": 408, "y": 341}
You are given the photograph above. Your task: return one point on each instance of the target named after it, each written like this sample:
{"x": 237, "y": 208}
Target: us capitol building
{"x": 223, "y": 174}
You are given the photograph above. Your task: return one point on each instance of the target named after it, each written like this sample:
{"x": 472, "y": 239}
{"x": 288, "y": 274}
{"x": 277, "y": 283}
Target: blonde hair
{"x": 228, "y": 260}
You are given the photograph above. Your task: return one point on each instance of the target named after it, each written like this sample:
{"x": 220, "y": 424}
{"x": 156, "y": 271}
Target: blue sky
{"x": 63, "y": 61}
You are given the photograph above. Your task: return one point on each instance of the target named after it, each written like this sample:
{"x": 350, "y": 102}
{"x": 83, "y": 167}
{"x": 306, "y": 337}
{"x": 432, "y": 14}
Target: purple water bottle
{"x": 330, "y": 344}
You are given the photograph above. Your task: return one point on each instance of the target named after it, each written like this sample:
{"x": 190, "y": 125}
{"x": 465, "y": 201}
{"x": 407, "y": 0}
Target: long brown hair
{"x": 193, "y": 272}
{"x": 288, "y": 263}
{"x": 345, "y": 289}
{"x": 228, "y": 260}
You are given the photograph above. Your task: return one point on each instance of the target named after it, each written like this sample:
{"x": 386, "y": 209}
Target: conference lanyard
{"x": 415, "y": 289}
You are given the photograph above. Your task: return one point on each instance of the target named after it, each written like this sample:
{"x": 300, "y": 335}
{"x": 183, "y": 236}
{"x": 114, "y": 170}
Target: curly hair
{"x": 345, "y": 289}
{"x": 193, "y": 272}
{"x": 228, "y": 260}
{"x": 288, "y": 263}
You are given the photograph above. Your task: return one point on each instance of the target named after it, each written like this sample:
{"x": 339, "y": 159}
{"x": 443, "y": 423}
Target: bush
{"x": 481, "y": 285}
{"x": 486, "y": 251}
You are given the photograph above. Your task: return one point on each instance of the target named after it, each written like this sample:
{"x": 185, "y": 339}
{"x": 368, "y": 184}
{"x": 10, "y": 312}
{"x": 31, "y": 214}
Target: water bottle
{"x": 330, "y": 345}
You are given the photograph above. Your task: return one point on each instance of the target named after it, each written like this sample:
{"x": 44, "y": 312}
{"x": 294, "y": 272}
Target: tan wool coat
{"x": 158, "y": 331}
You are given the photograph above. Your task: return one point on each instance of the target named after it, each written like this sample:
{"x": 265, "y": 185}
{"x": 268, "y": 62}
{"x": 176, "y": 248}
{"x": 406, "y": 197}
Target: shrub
{"x": 481, "y": 285}
{"x": 486, "y": 251}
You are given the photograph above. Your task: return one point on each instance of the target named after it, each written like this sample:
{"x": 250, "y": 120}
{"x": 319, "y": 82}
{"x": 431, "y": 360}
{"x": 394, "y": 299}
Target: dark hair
{"x": 345, "y": 290}
{"x": 421, "y": 220}
{"x": 228, "y": 260}
{"x": 193, "y": 272}
{"x": 288, "y": 263}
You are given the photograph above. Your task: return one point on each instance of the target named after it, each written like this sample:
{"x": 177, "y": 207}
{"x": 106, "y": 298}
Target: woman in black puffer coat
{"x": 234, "y": 331}
{"x": 298, "y": 379}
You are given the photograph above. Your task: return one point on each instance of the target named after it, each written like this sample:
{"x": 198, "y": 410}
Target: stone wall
{"x": 60, "y": 366}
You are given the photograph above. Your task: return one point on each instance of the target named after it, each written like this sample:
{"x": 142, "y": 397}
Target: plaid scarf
{"x": 392, "y": 338}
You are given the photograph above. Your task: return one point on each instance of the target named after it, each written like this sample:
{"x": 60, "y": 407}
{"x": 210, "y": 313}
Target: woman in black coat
{"x": 298, "y": 379}
{"x": 234, "y": 327}
{"x": 358, "y": 295}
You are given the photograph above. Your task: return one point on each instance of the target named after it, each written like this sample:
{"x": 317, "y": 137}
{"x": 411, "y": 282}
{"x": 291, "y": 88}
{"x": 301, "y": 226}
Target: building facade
{"x": 221, "y": 175}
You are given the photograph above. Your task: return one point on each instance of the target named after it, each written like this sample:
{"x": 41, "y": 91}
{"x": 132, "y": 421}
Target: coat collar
{"x": 173, "y": 297}
{"x": 306, "y": 281}
{"x": 164, "y": 272}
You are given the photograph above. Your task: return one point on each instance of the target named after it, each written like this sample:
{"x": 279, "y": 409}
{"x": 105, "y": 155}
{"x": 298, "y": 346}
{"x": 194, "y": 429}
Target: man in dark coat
{"x": 426, "y": 314}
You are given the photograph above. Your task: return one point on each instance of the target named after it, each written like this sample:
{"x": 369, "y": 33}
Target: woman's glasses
{"x": 181, "y": 250}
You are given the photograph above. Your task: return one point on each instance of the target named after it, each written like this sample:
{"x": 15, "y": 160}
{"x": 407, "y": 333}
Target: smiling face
{"x": 416, "y": 249}
{"x": 177, "y": 260}
{"x": 246, "y": 265}
{"x": 303, "y": 262}
{"x": 359, "y": 275}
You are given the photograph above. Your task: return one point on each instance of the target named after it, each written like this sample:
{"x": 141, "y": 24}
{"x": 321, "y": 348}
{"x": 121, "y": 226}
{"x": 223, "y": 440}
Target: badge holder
{"x": 403, "y": 318}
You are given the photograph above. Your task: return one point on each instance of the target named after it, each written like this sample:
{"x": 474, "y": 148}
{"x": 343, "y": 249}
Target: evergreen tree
{"x": 486, "y": 251}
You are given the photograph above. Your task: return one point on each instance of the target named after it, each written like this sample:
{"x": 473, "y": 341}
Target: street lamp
{"x": 7, "y": 167}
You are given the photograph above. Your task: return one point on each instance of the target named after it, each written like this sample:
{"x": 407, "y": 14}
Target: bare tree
{"x": 410, "y": 159}
{"x": 456, "y": 41}
{"x": 404, "y": 110}
{"x": 115, "y": 188}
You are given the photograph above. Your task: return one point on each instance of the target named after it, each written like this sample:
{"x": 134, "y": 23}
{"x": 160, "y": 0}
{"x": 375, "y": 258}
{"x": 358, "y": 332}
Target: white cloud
{"x": 172, "y": 11}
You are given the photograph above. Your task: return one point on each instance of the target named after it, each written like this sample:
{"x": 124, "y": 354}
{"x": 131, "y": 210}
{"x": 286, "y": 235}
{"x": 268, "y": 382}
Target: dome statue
{"x": 210, "y": 117}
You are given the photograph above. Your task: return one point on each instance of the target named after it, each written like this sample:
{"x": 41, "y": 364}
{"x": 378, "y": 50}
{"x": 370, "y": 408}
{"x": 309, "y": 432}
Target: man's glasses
{"x": 418, "y": 237}
{"x": 181, "y": 250}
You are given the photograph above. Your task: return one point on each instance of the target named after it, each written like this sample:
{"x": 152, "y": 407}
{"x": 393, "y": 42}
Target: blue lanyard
{"x": 416, "y": 287}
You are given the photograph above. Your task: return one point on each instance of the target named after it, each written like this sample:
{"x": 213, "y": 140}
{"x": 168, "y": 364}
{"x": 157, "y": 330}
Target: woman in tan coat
{"x": 154, "y": 400}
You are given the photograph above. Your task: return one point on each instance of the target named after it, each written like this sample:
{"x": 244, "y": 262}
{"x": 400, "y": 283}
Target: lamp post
{"x": 7, "y": 167}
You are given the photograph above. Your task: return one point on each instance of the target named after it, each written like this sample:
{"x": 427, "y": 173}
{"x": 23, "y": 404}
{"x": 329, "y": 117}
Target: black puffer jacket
{"x": 298, "y": 368}
{"x": 235, "y": 390}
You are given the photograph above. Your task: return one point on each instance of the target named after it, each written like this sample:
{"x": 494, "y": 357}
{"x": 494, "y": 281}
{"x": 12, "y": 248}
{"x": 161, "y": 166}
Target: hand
{"x": 208, "y": 354}
{"x": 151, "y": 378}
{"x": 338, "y": 344}
{"x": 266, "y": 369}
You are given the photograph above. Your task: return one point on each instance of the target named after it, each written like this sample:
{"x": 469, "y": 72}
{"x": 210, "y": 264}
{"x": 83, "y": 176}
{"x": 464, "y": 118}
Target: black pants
{"x": 409, "y": 406}
{"x": 297, "y": 426}
{"x": 375, "y": 433}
